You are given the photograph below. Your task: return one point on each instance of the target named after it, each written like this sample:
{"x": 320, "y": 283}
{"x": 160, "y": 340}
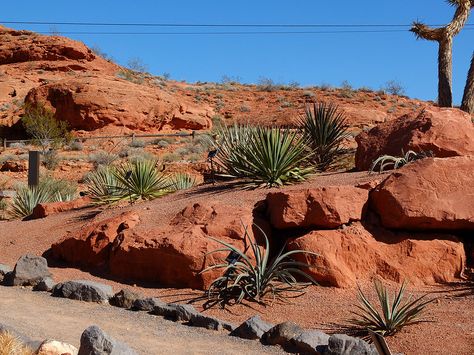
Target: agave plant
{"x": 325, "y": 128}
{"x": 48, "y": 190}
{"x": 252, "y": 279}
{"x": 263, "y": 156}
{"x": 182, "y": 181}
{"x": 403, "y": 311}
{"x": 386, "y": 161}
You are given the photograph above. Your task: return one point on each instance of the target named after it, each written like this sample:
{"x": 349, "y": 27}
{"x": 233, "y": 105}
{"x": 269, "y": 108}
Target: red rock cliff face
{"x": 85, "y": 90}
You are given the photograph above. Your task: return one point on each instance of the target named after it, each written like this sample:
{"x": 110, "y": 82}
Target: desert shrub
{"x": 267, "y": 84}
{"x": 244, "y": 108}
{"x": 136, "y": 64}
{"x": 40, "y": 123}
{"x": 171, "y": 157}
{"x": 17, "y": 145}
{"x": 169, "y": 140}
{"x": 394, "y": 315}
{"x": 324, "y": 128}
{"x": 308, "y": 94}
{"x": 137, "y": 143}
{"x": 394, "y": 87}
{"x": 12, "y": 345}
{"x": 161, "y": 143}
{"x": 263, "y": 156}
{"x": 102, "y": 158}
{"x": 386, "y": 161}
{"x": 245, "y": 279}
{"x": 346, "y": 90}
{"x": 48, "y": 190}
{"x": 182, "y": 181}
{"x": 7, "y": 157}
{"x": 51, "y": 159}
{"x": 137, "y": 154}
{"x": 76, "y": 146}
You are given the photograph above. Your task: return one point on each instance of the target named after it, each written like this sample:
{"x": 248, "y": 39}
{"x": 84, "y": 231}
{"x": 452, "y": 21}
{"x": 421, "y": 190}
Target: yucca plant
{"x": 262, "y": 156}
{"x": 182, "y": 181}
{"x": 387, "y": 161}
{"x": 325, "y": 128}
{"x": 102, "y": 184}
{"x": 394, "y": 315}
{"x": 48, "y": 190}
{"x": 252, "y": 279}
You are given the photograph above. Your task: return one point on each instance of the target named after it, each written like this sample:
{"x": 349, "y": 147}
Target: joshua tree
{"x": 444, "y": 36}
{"x": 468, "y": 98}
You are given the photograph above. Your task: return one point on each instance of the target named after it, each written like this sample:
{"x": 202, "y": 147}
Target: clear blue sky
{"x": 363, "y": 59}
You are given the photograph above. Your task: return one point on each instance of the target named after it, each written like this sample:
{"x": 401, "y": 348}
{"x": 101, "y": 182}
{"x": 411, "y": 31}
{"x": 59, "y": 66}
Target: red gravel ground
{"x": 451, "y": 326}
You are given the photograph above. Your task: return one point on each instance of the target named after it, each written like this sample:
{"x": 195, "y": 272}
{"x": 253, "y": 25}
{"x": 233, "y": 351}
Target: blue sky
{"x": 363, "y": 59}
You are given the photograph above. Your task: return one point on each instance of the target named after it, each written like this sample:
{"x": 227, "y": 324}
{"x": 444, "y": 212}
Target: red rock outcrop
{"x": 171, "y": 255}
{"x": 350, "y": 255}
{"x": 324, "y": 207}
{"x": 95, "y": 102}
{"x": 43, "y": 210}
{"x": 446, "y": 132}
{"x": 430, "y": 194}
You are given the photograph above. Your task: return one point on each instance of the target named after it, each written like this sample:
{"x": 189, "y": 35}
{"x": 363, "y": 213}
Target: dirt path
{"x": 40, "y": 316}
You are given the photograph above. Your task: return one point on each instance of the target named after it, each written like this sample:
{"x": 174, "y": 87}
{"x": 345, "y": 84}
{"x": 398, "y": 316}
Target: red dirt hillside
{"x": 94, "y": 94}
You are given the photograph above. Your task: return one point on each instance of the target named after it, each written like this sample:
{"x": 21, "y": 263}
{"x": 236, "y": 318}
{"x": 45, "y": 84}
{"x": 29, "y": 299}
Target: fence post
{"x": 33, "y": 167}
{"x": 4, "y": 144}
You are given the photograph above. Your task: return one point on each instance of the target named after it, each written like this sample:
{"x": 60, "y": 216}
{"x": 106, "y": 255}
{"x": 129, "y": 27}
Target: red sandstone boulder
{"x": 46, "y": 209}
{"x": 171, "y": 255}
{"x": 430, "y": 194}
{"x": 14, "y": 166}
{"x": 94, "y": 102}
{"x": 324, "y": 207}
{"x": 354, "y": 254}
{"x": 445, "y": 132}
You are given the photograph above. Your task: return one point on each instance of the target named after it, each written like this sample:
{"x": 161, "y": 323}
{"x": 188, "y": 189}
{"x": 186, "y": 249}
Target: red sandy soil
{"x": 451, "y": 330}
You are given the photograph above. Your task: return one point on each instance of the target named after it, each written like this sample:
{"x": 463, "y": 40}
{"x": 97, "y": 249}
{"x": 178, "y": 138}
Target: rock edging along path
{"x": 40, "y": 316}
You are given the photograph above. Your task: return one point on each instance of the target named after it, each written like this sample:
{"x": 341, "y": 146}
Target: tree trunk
{"x": 445, "y": 78}
{"x": 468, "y": 98}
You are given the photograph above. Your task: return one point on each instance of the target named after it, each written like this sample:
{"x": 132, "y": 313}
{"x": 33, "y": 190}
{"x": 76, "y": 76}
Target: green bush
{"x": 325, "y": 128}
{"x": 40, "y": 123}
{"x": 253, "y": 278}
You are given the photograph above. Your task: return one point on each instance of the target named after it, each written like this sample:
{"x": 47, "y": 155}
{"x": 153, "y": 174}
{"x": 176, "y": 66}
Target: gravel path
{"x": 40, "y": 316}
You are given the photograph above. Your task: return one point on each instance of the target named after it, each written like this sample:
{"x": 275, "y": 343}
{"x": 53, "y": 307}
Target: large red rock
{"x": 322, "y": 207}
{"x": 351, "y": 255}
{"x": 430, "y": 194}
{"x": 446, "y": 132}
{"x": 43, "y": 210}
{"x": 170, "y": 255}
{"x": 94, "y": 102}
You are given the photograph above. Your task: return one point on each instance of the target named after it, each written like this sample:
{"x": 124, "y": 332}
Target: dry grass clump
{"x": 11, "y": 345}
